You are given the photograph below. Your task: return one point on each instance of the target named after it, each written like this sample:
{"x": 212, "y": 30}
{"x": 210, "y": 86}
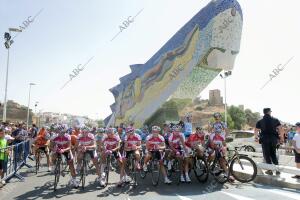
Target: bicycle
{"x": 57, "y": 170}
{"x": 247, "y": 148}
{"x": 107, "y": 167}
{"x": 39, "y": 155}
{"x": 153, "y": 168}
{"x": 200, "y": 167}
{"x": 131, "y": 166}
{"x": 237, "y": 164}
{"x": 176, "y": 167}
{"x": 240, "y": 166}
{"x": 215, "y": 168}
{"x": 84, "y": 169}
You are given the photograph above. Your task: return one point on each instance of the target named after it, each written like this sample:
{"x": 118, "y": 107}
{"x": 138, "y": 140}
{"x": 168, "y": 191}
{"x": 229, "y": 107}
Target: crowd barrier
{"x": 16, "y": 158}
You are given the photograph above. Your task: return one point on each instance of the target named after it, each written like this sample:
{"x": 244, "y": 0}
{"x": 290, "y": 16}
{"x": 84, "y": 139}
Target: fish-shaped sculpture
{"x": 183, "y": 67}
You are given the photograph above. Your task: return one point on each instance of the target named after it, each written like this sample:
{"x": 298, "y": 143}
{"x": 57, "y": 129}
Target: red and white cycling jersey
{"x": 61, "y": 141}
{"x": 217, "y": 139}
{"x": 154, "y": 141}
{"x": 110, "y": 142}
{"x": 132, "y": 139}
{"x": 175, "y": 139}
{"x": 194, "y": 139}
{"x": 86, "y": 139}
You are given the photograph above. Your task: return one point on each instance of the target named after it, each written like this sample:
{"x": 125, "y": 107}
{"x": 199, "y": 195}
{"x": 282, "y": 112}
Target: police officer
{"x": 269, "y": 132}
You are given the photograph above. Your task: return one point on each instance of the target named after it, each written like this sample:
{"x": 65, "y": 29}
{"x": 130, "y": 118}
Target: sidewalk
{"x": 285, "y": 180}
{"x": 287, "y": 167}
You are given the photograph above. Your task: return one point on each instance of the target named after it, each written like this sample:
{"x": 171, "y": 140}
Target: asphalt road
{"x": 40, "y": 186}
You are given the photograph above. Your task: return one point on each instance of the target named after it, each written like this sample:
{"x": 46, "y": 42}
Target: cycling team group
{"x": 122, "y": 142}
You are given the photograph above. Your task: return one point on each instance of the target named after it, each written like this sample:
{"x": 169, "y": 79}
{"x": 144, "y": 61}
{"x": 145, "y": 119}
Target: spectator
{"x": 290, "y": 136}
{"x": 181, "y": 124}
{"x": 145, "y": 133}
{"x": 3, "y": 155}
{"x": 8, "y": 137}
{"x": 33, "y": 131}
{"x": 16, "y": 134}
{"x": 296, "y": 145}
{"x": 270, "y": 131}
{"x": 188, "y": 126}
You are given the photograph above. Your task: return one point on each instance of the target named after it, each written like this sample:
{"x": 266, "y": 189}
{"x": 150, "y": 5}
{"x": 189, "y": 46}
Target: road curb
{"x": 276, "y": 181}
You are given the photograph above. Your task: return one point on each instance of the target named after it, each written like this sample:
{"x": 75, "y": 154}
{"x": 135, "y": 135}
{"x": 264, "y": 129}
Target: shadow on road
{"x": 144, "y": 186}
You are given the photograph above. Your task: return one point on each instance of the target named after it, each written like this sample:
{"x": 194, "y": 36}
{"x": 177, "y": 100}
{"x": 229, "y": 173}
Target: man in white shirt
{"x": 296, "y": 145}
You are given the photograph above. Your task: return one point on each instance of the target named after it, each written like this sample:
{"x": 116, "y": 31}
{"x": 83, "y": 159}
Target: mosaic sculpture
{"x": 183, "y": 67}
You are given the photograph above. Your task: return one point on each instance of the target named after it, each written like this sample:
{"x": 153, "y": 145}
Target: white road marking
{"x": 183, "y": 198}
{"x": 286, "y": 194}
{"x": 239, "y": 197}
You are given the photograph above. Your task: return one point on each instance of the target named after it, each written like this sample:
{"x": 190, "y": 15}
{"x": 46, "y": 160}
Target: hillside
{"x": 15, "y": 112}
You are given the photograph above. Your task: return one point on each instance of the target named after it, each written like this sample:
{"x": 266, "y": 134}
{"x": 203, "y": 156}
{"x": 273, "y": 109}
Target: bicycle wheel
{"x": 64, "y": 165}
{"x": 218, "y": 173}
{"x": 114, "y": 164}
{"x": 90, "y": 165}
{"x": 155, "y": 172}
{"x": 57, "y": 173}
{"x": 133, "y": 171}
{"x": 243, "y": 169}
{"x": 83, "y": 172}
{"x": 200, "y": 169}
{"x": 37, "y": 162}
{"x": 169, "y": 172}
{"x": 107, "y": 168}
{"x": 143, "y": 174}
{"x": 250, "y": 149}
{"x": 176, "y": 169}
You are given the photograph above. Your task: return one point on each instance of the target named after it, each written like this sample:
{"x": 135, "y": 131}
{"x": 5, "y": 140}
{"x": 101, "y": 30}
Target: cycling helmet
{"x": 129, "y": 129}
{"x": 188, "y": 115}
{"x": 85, "y": 129}
{"x": 61, "y": 128}
{"x": 70, "y": 131}
{"x": 218, "y": 130}
{"x": 110, "y": 130}
{"x": 217, "y": 114}
{"x": 100, "y": 130}
{"x": 156, "y": 128}
{"x": 176, "y": 128}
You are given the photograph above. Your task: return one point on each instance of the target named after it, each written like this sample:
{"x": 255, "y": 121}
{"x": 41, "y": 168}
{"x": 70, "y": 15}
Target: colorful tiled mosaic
{"x": 184, "y": 66}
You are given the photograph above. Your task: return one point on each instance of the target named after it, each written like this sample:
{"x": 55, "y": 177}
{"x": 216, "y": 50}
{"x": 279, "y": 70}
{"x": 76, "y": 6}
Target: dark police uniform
{"x": 269, "y": 137}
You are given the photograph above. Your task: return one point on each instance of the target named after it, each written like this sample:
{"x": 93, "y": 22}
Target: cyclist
{"x": 167, "y": 131}
{"x": 144, "y": 133}
{"x": 100, "y": 132}
{"x": 196, "y": 141}
{"x": 61, "y": 144}
{"x": 94, "y": 130}
{"x": 74, "y": 137}
{"x": 155, "y": 145}
{"x": 110, "y": 144}
{"x": 219, "y": 125}
{"x": 188, "y": 127}
{"x": 217, "y": 142}
{"x": 132, "y": 145}
{"x": 42, "y": 143}
{"x": 179, "y": 152}
{"x": 87, "y": 144}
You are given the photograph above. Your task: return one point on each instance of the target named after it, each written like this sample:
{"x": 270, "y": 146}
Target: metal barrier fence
{"x": 16, "y": 157}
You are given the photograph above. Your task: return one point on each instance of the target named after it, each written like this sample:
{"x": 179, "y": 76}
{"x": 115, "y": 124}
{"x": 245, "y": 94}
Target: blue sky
{"x": 68, "y": 33}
